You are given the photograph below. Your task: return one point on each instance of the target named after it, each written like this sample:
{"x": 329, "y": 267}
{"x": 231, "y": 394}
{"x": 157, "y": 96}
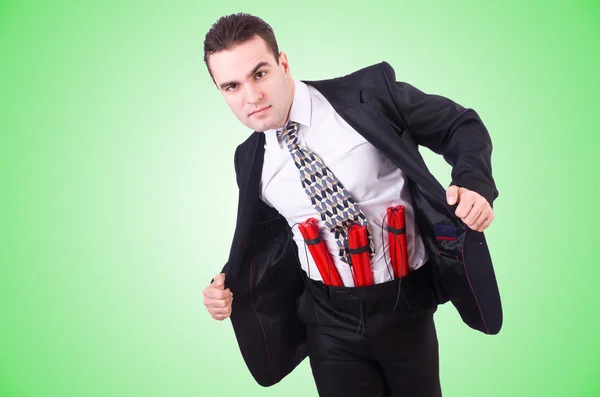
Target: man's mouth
{"x": 259, "y": 111}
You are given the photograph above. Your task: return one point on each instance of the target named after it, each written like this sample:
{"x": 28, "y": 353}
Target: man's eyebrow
{"x": 258, "y": 66}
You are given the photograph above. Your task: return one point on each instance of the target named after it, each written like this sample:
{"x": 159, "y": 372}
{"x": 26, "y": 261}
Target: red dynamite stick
{"x": 397, "y": 240}
{"x": 395, "y": 255}
{"x": 357, "y": 240}
{"x": 319, "y": 252}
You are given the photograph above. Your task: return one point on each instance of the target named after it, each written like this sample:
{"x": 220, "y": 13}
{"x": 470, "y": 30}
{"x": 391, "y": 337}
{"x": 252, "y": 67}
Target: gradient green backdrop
{"x": 118, "y": 196}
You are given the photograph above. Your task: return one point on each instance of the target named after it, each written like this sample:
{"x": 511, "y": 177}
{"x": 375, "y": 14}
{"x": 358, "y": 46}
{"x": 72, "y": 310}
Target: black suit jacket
{"x": 263, "y": 270}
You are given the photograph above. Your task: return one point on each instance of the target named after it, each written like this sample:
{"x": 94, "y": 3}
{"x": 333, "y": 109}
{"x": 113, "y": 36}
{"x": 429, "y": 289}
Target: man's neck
{"x": 287, "y": 117}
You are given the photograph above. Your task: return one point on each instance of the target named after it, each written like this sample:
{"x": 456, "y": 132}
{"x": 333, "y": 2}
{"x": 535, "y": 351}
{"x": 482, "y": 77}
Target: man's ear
{"x": 283, "y": 61}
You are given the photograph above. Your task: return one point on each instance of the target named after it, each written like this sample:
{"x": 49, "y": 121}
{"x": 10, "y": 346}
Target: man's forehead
{"x": 236, "y": 62}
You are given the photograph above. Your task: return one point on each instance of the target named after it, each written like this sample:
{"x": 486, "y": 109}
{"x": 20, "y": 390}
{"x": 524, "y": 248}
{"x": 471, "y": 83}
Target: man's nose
{"x": 253, "y": 95}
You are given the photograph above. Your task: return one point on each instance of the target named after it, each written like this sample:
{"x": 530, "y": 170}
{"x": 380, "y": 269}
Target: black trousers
{"x": 373, "y": 341}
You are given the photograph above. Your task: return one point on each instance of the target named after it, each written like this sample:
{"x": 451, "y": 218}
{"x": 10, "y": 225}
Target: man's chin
{"x": 260, "y": 127}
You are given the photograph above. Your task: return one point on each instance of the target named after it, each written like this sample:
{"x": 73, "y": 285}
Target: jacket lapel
{"x": 250, "y": 163}
{"x": 357, "y": 108}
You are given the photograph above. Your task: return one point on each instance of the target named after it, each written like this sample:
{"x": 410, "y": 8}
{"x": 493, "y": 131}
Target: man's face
{"x": 257, "y": 89}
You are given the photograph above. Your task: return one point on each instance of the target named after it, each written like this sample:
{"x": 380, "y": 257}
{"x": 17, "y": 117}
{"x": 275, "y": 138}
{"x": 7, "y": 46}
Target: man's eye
{"x": 260, "y": 75}
{"x": 231, "y": 87}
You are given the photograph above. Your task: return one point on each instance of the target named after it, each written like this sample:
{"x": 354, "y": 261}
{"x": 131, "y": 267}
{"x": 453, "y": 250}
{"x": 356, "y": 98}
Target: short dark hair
{"x": 230, "y": 30}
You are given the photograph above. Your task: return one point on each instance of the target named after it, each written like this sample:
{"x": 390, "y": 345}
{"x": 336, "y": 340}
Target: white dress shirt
{"x": 370, "y": 178}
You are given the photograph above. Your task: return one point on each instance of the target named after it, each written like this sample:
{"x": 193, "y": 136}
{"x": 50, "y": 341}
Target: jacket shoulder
{"x": 248, "y": 143}
{"x": 368, "y": 75}
{"x": 351, "y": 89}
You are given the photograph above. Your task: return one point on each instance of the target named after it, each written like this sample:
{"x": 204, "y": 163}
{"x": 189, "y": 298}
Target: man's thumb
{"x": 452, "y": 194}
{"x": 219, "y": 281}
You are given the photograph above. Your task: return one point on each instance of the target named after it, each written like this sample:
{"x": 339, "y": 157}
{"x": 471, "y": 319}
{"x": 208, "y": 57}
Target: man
{"x": 358, "y": 133}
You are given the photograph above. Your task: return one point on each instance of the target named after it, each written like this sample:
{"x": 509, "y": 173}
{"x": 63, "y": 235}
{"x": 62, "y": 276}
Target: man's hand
{"x": 473, "y": 208}
{"x": 217, "y": 299}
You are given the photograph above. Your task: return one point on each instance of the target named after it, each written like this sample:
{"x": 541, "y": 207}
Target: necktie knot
{"x": 289, "y": 134}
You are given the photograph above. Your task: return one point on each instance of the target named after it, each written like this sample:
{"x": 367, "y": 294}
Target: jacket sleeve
{"x": 449, "y": 129}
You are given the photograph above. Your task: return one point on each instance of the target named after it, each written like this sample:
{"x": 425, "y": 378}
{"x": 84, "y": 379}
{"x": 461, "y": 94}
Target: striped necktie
{"x": 327, "y": 194}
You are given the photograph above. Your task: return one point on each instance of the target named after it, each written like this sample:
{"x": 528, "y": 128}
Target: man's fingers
{"x": 473, "y": 209}
{"x": 217, "y": 299}
{"x": 464, "y": 207}
{"x": 219, "y": 281}
{"x": 476, "y": 225}
{"x": 452, "y": 194}
{"x": 479, "y": 227}
{"x": 216, "y": 293}
{"x": 484, "y": 220}
{"x": 217, "y": 303}
{"x": 486, "y": 223}
{"x": 220, "y": 310}
{"x": 477, "y": 213}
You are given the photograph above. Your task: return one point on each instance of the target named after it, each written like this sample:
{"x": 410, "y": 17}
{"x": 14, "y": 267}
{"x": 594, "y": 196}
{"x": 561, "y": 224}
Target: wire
{"x": 305, "y": 253}
{"x": 389, "y": 247}
{"x": 404, "y": 260}
{"x": 349, "y": 259}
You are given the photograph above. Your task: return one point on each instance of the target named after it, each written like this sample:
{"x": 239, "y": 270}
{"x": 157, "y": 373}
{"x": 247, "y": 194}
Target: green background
{"x": 118, "y": 194}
